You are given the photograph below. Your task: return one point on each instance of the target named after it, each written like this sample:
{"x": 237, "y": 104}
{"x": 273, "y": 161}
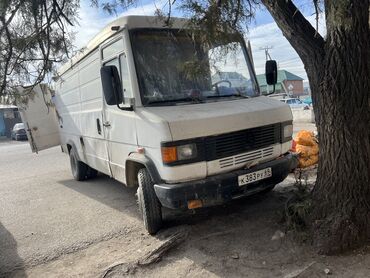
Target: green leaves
{"x": 35, "y": 36}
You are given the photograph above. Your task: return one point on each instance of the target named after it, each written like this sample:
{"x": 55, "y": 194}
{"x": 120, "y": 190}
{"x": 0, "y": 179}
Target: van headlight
{"x": 287, "y": 131}
{"x": 177, "y": 154}
{"x": 188, "y": 151}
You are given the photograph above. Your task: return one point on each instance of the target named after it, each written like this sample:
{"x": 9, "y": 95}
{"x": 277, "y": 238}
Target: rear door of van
{"x": 40, "y": 118}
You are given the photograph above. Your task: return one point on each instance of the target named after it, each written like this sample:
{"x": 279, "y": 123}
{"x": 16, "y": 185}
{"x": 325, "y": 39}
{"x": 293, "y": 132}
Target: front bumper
{"x": 221, "y": 188}
{"x": 21, "y": 136}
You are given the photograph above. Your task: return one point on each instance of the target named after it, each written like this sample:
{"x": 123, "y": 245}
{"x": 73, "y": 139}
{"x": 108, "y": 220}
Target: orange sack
{"x": 307, "y": 148}
{"x": 305, "y": 138}
{"x": 308, "y": 161}
{"x": 307, "y": 151}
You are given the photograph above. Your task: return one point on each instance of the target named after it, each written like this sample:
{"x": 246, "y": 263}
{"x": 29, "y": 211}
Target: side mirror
{"x": 271, "y": 72}
{"x": 112, "y": 87}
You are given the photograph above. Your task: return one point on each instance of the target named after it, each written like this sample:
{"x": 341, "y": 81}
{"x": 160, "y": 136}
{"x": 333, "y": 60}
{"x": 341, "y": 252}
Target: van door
{"x": 40, "y": 118}
{"x": 83, "y": 117}
{"x": 119, "y": 125}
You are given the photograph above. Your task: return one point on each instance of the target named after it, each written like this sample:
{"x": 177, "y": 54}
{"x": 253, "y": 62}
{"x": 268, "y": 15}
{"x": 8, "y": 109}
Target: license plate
{"x": 255, "y": 176}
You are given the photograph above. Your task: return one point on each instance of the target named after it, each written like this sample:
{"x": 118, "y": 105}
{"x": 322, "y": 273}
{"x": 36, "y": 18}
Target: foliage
{"x": 298, "y": 208}
{"x": 34, "y": 38}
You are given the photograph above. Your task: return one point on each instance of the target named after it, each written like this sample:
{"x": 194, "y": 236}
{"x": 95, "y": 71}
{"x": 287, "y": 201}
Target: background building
{"x": 236, "y": 79}
{"x": 287, "y": 82}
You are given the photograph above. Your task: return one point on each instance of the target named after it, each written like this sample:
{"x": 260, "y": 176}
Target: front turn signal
{"x": 169, "y": 154}
{"x": 193, "y": 204}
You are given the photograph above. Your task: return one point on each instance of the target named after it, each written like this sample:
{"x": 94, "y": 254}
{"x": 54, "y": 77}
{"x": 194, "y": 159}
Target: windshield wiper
{"x": 173, "y": 101}
{"x": 233, "y": 95}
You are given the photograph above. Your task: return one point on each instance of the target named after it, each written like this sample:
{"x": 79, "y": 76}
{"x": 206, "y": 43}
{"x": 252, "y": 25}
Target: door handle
{"x": 98, "y": 125}
{"x": 106, "y": 124}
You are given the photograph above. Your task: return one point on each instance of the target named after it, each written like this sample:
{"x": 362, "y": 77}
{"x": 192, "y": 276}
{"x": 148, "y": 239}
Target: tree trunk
{"x": 338, "y": 71}
{"x": 342, "y": 192}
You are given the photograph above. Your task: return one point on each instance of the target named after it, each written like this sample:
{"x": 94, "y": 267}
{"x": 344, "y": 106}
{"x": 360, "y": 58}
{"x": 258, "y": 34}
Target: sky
{"x": 261, "y": 32}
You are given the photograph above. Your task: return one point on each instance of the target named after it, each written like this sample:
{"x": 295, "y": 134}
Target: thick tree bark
{"x": 342, "y": 191}
{"x": 339, "y": 73}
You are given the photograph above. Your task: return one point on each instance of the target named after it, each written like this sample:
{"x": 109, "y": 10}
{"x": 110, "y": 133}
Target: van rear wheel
{"x": 79, "y": 169}
{"x": 149, "y": 205}
{"x": 91, "y": 173}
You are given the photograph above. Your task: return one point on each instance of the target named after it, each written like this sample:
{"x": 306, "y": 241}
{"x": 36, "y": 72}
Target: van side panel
{"x": 80, "y": 106}
{"x": 67, "y": 102}
{"x": 95, "y": 148}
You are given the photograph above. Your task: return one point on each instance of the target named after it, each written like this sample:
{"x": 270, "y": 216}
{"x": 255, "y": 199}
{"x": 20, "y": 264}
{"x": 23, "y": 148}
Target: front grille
{"x": 242, "y": 141}
{"x": 246, "y": 157}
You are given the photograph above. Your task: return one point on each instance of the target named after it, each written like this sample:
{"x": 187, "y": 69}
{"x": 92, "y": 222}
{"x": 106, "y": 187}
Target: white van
{"x": 145, "y": 105}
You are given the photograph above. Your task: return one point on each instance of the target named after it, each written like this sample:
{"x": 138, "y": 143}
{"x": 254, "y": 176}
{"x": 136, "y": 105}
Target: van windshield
{"x": 19, "y": 126}
{"x": 174, "y": 68}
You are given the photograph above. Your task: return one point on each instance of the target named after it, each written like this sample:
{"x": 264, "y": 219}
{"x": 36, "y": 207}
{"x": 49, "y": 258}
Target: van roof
{"x": 128, "y": 22}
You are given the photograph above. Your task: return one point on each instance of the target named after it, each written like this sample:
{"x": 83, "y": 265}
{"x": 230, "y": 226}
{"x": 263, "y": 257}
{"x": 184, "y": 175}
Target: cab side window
{"x": 126, "y": 84}
{"x": 114, "y": 62}
{"x": 114, "y": 55}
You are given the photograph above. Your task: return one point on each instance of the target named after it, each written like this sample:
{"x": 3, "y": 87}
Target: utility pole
{"x": 268, "y": 57}
{"x": 266, "y": 49}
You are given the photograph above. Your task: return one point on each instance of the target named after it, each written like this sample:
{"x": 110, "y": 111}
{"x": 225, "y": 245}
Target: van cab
{"x": 156, "y": 108}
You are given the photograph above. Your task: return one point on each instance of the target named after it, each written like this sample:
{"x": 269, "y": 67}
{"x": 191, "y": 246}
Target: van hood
{"x": 204, "y": 119}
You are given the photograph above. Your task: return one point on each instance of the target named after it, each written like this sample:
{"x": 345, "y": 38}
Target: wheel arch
{"x": 71, "y": 145}
{"x": 134, "y": 163}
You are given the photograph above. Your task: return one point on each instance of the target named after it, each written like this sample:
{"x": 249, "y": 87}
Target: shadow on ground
{"x": 117, "y": 196}
{"x": 108, "y": 192}
{"x": 9, "y": 258}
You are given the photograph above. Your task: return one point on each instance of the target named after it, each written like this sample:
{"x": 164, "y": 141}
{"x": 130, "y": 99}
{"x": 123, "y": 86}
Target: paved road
{"x": 45, "y": 213}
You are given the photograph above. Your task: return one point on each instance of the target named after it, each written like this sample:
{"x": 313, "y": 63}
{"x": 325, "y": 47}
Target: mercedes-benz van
{"x": 157, "y": 108}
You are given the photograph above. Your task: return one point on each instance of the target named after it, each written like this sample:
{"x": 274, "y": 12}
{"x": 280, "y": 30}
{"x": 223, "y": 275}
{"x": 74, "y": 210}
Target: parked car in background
{"x": 295, "y": 103}
{"x": 279, "y": 96}
{"x": 18, "y": 132}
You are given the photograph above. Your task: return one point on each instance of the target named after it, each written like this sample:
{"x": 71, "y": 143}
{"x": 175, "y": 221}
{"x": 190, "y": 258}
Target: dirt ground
{"x": 52, "y": 226}
{"x": 244, "y": 238}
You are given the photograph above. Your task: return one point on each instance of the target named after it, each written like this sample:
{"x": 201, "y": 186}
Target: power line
{"x": 266, "y": 49}
{"x": 290, "y": 60}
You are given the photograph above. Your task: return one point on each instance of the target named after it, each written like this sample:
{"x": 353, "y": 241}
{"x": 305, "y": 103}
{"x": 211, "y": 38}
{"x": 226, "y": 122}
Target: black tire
{"x": 149, "y": 205}
{"x": 91, "y": 173}
{"x": 79, "y": 169}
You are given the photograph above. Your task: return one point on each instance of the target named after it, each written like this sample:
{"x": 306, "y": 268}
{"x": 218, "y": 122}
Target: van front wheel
{"x": 149, "y": 205}
{"x": 79, "y": 169}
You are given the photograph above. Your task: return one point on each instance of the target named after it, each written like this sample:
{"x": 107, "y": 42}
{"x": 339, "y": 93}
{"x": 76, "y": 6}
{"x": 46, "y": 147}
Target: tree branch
{"x": 298, "y": 31}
